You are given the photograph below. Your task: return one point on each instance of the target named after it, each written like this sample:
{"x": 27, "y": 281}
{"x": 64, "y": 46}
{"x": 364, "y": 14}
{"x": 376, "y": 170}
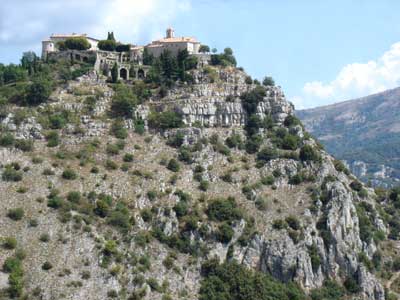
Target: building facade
{"x": 173, "y": 44}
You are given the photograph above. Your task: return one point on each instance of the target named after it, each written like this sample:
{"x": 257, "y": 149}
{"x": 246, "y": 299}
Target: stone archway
{"x": 123, "y": 73}
{"x": 141, "y": 74}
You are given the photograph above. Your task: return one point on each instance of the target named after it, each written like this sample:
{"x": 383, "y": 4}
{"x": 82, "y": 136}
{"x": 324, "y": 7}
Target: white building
{"x": 173, "y": 44}
{"x": 50, "y": 44}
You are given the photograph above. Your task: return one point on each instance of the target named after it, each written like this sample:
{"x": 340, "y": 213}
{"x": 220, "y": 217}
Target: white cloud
{"x": 23, "y": 23}
{"x": 355, "y": 80}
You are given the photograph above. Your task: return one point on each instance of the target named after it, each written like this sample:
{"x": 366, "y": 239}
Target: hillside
{"x": 205, "y": 188}
{"x": 364, "y": 132}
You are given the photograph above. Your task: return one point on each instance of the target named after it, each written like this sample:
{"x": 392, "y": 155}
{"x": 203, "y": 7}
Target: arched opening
{"x": 85, "y": 59}
{"x": 123, "y": 73}
{"x": 77, "y": 57}
{"x": 141, "y": 74}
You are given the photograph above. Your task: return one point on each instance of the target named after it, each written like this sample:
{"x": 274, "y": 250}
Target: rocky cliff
{"x": 135, "y": 215}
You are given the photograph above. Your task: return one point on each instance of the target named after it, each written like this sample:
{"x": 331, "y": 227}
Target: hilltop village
{"x": 130, "y": 60}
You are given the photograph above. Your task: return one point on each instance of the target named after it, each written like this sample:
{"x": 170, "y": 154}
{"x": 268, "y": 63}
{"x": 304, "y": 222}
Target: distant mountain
{"x": 364, "y": 132}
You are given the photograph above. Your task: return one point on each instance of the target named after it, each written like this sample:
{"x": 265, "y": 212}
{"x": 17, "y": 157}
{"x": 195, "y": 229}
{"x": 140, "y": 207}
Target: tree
{"x": 123, "y": 47}
{"x": 114, "y": 73}
{"x": 77, "y": 43}
{"x": 124, "y": 102}
{"x": 107, "y": 45}
{"x": 268, "y": 81}
{"x": 204, "y": 49}
{"x": 148, "y": 58}
{"x": 214, "y": 50}
{"x": 29, "y": 61}
{"x": 110, "y": 36}
{"x": 39, "y": 91}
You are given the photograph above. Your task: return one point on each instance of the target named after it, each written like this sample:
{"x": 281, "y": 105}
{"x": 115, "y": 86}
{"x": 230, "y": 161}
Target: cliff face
{"x": 304, "y": 230}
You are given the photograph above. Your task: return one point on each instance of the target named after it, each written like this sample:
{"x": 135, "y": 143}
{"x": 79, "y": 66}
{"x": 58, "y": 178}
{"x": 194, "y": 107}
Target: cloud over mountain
{"x": 355, "y": 80}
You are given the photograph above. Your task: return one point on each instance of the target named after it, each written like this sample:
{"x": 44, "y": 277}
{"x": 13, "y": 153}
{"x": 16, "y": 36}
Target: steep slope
{"x": 365, "y": 132}
{"x": 103, "y": 209}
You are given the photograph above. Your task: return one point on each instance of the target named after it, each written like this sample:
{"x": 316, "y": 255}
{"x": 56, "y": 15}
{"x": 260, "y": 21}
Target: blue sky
{"x": 320, "y": 52}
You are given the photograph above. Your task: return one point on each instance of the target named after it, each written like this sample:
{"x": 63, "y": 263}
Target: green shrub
{"x": 69, "y": 174}
{"x": 124, "y": 102}
{"x": 266, "y": 154}
{"x": 340, "y": 167}
{"x": 315, "y": 257}
{"x": 165, "y": 120}
{"x": 47, "y": 266}
{"x": 110, "y": 165}
{"x": 279, "y": 224}
{"x": 351, "y": 285}
{"x": 53, "y": 139}
{"x": 181, "y": 209}
{"x": 268, "y": 180}
{"x": 9, "y": 243}
{"x": 10, "y": 173}
{"x": 234, "y": 281}
{"x": 185, "y": 155}
{"x": 356, "y": 185}
{"x": 293, "y": 222}
{"x": 224, "y": 233}
{"x": 25, "y": 145}
{"x": 7, "y": 139}
{"x": 118, "y": 129}
{"x": 204, "y": 185}
{"x": 331, "y": 290}
{"x": 44, "y": 237}
{"x": 173, "y": 165}
{"x": 221, "y": 209}
{"x": 74, "y": 197}
{"x": 308, "y": 153}
{"x": 154, "y": 285}
{"x": 16, "y": 214}
{"x": 128, "y": 157}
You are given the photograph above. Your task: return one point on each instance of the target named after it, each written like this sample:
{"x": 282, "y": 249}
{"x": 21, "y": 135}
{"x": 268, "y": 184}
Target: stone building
{"x": 129, "y": 63}
{"x": 173, "y": 44}
{"x": 50, "y": 45}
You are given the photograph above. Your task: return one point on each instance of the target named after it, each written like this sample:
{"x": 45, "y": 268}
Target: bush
{"x": 307, "y": 153}
{"x": 9, "y": 243}
{"x": 356, "y": 186}
{"x": 47, "y": 266}
{"x": 124, "y": 102}
{"x": 165, "y": 120}
{"x": 128, "y": 157}
{"x": 74, "y": 197}
{"x": 10, "y": 173}
{"x": 268, "y": 81}
{"x": 204, "y": 185}
{"x": 221, "y": 209}
{"x": 16, "y": 214}
{"x": 25, "y": 145}
{"x": 266, "y": 154}
{"x": 293, "y": 222}
{"x": 69, "y": 174}
{"x": 39, "y": 91}
{"x": 118, "y": 129}
{"x": 77, "y": 43}
{"x": 234, "y": 281}
{"x": 351, "y": 285}
{"x": 107, "y": 45}
{"x": 331, "y": 290}
{"x": 7, "y": 140}
{"x": 224, "y": 233}
{"x": 173, "y": 165}
{"x": 53, "y": 139}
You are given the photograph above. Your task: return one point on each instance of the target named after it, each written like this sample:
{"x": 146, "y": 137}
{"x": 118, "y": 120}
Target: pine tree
{"x": 114, "y": 73}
